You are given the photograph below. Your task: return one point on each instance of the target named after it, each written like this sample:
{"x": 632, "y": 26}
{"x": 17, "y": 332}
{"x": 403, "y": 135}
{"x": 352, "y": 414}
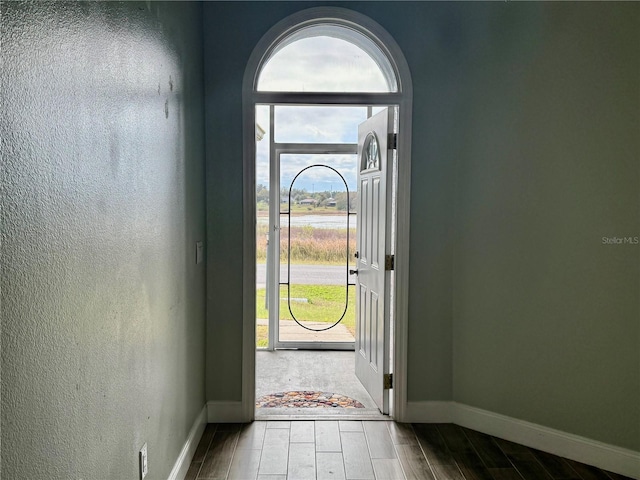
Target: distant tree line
{"x": 337, "y": 200}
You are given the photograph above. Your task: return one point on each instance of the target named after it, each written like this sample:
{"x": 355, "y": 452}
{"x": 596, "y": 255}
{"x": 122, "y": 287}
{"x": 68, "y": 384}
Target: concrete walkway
{"x": 290, "y": 331}
{"x": 323, "y": 371}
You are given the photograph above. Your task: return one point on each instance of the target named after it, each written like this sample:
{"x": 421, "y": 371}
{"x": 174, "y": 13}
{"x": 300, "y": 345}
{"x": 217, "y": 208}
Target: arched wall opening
{"x": 391, "y": 87}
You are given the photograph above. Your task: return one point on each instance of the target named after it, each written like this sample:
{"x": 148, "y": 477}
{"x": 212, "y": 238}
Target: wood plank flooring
{"x": 372, "y": 450}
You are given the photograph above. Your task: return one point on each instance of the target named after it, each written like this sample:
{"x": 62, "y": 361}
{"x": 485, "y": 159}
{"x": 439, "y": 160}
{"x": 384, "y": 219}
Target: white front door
{"x": 372, "y": 329}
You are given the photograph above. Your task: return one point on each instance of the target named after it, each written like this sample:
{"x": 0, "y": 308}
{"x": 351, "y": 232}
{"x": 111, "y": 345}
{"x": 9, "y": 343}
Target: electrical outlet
{"x": 144, "y": 462}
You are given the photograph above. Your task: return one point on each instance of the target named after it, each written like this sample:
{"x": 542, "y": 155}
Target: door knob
{"x": 353, "y": 272}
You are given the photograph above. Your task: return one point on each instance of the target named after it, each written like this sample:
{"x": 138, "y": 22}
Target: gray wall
{"x": 524, "y": 155}
{"x": 103, "y": 201}
{"x": 546, "y": 317}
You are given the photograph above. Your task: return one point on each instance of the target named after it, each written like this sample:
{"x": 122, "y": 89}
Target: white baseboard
{"x": 608, "y": 457}
{"x": 189, "y": 449}
{"x": 601, "y": 455}
{"x": 225, "y": 412}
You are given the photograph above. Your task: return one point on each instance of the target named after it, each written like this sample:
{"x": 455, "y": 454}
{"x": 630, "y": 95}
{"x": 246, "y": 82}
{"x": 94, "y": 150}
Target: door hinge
{"x": 388, "y": 381}
{"x": 389, "y": 262}
{"x": 393, "y": 141}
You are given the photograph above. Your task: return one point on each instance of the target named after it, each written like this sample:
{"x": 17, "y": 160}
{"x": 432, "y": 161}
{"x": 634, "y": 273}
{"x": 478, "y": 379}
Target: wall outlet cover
{"x": 144, "y": 462}
{"x": 199, "y": 252}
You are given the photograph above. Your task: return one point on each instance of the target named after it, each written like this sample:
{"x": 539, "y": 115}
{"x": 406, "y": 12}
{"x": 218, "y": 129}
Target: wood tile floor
{"x": 376, "y": 450}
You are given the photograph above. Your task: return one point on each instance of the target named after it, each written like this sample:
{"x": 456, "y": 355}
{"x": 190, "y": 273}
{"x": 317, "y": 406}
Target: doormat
{"x": 307, "y": 399}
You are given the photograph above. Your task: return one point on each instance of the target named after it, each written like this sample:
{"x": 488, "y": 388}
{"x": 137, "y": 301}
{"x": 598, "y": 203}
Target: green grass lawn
{"x": 262, "y": 336}
{"x": 325, "y": 303}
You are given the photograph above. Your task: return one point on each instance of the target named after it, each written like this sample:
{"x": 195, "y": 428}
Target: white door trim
{"x": 403, "y": 99}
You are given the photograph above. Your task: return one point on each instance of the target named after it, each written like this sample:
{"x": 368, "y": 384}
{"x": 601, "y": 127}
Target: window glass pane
{"x": 318, "y": 124}
{"x": 262, "y": 227}
{"x": 327, "y": 58}
{"x": 262, "y": 158}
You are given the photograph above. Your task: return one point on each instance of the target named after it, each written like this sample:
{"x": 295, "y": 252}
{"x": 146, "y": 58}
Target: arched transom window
{"x": 327, "y": 58}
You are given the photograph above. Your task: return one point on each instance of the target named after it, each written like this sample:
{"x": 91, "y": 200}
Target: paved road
{"x": 308, "y": 274}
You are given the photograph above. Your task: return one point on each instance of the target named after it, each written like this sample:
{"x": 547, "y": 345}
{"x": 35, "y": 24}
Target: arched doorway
{"x": 363, "y": 74}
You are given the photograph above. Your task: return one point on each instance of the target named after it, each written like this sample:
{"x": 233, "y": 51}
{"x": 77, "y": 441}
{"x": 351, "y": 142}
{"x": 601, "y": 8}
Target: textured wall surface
{"x": 103, "y": 202}
{"x": 525, "y": 154}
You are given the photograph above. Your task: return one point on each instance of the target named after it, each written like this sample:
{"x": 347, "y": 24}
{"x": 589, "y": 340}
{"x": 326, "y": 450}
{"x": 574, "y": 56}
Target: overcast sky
{"x": 316, "y": 64}
{"x": 311, "y": 125}
{"x": 322, "y": 64}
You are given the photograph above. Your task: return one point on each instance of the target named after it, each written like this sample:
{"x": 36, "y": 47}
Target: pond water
{"x": 316, "y": 221}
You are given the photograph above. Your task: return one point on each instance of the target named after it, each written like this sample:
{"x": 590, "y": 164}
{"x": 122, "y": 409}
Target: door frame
{"x": 403, "y": 99}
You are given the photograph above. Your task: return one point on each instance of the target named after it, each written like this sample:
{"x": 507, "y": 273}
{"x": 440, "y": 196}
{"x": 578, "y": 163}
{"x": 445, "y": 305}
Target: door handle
{"x": 353, "y": 272}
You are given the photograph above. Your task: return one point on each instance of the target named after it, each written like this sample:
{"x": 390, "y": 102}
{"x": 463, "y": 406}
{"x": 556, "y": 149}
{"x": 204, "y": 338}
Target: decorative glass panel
{"x": 370, "y": 153}
{"x": 316, "y": 301}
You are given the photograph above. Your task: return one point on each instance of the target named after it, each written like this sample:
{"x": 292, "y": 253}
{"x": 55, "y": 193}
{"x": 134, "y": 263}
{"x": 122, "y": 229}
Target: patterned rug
{"x": 307, "y": 399}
